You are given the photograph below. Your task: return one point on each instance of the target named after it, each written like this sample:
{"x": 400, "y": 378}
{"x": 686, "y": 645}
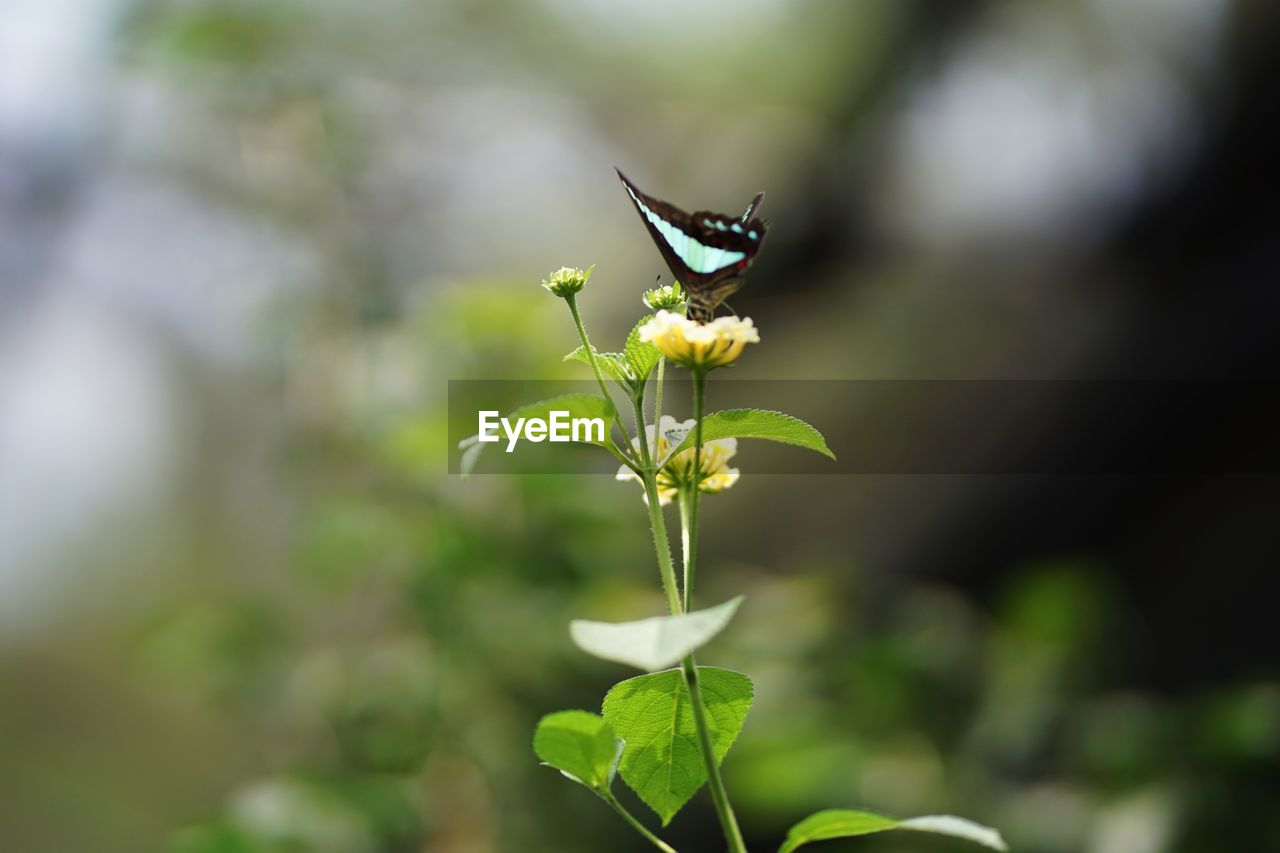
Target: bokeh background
{"x": 245, "y": 244}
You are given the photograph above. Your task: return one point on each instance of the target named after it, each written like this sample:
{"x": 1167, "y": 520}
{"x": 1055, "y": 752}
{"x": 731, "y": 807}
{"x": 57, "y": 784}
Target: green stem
{"x": 635, "y": 824}
{"x": 689, "y": 506}
{"x": 689, "y": 667}
{"x": 595, "y": 368}
{"x": 719, "y": 796}
{"x": 688, "y": 541}
{"x": 657, "y": 399}
{"x": 646, "y": 460}
{"x": 658, "y": 524}
{"x": 689, "y": 538}
{"x": 660, "y": 542}
{"x": 661, "y": 545}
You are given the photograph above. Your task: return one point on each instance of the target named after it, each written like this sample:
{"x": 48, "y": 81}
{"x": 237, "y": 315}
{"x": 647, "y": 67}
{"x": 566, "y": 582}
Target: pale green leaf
{"x": 641, "y": 357}
{"x": 759, "y": 423}
{"x": 471, "y": 448}
{"x": 957, "y": 827}
{"x": 662, "y": 761}
{"x": 652, "y": 644}
{"x": 579, "y": 744}
{"x": 577, "y": 405}
{"x": 847, "y": 823}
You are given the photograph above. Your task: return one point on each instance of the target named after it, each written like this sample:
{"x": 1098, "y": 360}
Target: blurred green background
{"x": 245, "y": 244}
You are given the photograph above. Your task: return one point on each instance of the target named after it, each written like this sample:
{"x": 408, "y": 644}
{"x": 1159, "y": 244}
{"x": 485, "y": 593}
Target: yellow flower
{"x": 699, "y": 346}
{"x": 567, "y": 281}
{"x": 677, "y": 471}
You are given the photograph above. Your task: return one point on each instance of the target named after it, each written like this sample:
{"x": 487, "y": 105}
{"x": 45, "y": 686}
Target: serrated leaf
{"x": 641, "y": 357}
{"x": 652, "y": 644}
{"x": 613, "y": 364}
{"x": 579, "y": 744}
{"x": 577, "y": 405}
{"x": 759, "y": 423}
{"x": 847, "y": 823}
{"x": 662, "y": 761}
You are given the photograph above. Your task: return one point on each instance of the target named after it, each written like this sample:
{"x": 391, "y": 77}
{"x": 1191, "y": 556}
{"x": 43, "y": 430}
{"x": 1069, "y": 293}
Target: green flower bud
{"x": 668, "y": 298}
{"x": 567, "y": 281}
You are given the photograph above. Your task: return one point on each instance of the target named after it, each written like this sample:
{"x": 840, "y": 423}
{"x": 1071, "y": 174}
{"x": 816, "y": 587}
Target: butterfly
{"x": 707, "y": 252}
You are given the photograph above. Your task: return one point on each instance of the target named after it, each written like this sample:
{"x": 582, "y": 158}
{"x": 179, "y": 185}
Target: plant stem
{"x": 657, "y": 398}
{"x": 689, "y": 539}
{"x": 657, "y": 523}
{"x": 595, "y": 368}
{"x": 689, "y": 506}
{"x": 687, "y": 542}
{"x": 646, "y": 459}
{"x": 661, "y": 544}
{"x": 689, "y": 667}
{"x": 719, "y": 796}
{"x": 635, "y": 824}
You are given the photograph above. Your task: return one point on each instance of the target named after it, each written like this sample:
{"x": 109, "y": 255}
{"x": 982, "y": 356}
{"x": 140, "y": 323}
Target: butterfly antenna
{"x": 752, "y": 208}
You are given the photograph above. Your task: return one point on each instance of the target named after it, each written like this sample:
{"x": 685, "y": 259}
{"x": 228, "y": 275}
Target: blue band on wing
{"x": 699, "y": 258}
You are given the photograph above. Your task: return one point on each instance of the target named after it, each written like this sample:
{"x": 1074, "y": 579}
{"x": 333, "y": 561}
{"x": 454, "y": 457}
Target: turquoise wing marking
{"x": 697, "y": 257}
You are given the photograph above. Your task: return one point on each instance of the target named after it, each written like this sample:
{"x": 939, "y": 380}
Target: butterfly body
{"x": 707, "y": 252}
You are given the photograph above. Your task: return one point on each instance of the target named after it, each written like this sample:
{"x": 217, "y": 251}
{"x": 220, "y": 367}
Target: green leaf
{"x": 580, "y": 745}
{"x": 612, "y": 364}
{"x": 577, "y": 405}
{"x": 652, "y": 644}
{"x": 759, "y": 423}
{"x": 846, "y": 823}
{"x": 641, "y": 357}
{"x": 629, "y": 368}
{"x": 662, "y": 761}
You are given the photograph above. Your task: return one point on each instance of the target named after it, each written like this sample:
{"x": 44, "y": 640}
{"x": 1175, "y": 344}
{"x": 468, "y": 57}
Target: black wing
{"x": 701, "y": 248}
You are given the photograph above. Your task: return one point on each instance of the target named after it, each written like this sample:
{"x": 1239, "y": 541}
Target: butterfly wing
{"x": 703, "y": 249}
{"x": 740, "y": 239}
{"x": 752, "y": 208}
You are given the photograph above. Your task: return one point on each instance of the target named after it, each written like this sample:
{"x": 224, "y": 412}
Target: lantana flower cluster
{"x": 699, "y": 346}
{"x": 676, "y": 472}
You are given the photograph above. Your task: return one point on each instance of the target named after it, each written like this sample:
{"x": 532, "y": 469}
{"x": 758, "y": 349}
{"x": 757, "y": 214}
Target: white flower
{"x": 676, "y": 471}
{"x": 700, "y": 346}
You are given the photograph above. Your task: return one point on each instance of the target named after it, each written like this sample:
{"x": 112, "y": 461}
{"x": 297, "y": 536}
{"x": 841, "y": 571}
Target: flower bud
{"x": 567, "y": 281}
{"x": 667, "y": 298}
